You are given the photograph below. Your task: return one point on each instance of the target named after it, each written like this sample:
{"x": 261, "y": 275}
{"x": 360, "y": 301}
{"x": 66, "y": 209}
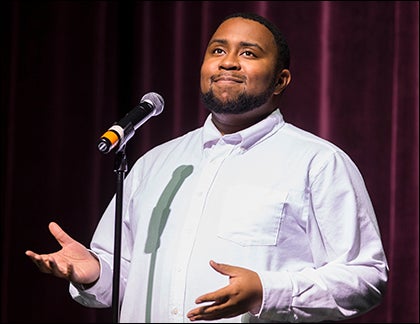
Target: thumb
{"x": 224, "y": 269}
{"x": 62, "y": 237}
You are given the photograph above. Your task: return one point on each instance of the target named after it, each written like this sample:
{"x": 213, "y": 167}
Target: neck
{"x": 232, "y": 123}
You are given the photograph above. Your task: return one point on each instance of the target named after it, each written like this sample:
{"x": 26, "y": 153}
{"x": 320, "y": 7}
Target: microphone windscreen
{"x": 156, "y": 100}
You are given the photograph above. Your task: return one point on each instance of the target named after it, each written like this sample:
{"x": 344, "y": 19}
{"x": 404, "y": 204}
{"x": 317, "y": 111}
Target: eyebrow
{"x": 242, "y": 44}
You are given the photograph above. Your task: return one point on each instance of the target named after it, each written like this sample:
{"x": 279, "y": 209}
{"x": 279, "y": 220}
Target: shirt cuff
{"x": 277, "y": 296}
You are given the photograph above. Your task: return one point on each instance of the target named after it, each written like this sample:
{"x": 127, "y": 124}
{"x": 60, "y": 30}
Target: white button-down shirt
{"x": 272, "y": 198}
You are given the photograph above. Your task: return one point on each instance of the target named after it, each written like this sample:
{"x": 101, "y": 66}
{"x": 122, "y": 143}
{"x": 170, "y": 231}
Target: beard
{"x": 243, "y": 103}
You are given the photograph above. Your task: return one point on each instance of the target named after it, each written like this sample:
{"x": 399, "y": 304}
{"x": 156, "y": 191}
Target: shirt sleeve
{"x": 350, "y": 270}
{"x": 99, "y": 295}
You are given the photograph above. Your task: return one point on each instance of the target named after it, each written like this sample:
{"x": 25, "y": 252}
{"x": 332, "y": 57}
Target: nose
{"x": 229, "y": 62}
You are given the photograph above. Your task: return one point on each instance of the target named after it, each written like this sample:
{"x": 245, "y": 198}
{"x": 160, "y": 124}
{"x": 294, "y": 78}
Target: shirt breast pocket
{"x": 251, "y": 215}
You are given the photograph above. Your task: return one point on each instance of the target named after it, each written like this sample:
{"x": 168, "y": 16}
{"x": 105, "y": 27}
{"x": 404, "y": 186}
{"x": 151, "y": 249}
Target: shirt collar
{"x": 246, "y": 137}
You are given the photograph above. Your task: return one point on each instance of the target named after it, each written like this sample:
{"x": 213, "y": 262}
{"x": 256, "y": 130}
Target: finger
{"x": 199, "y": 312}
{"x": 62, "y": 237}
{"x": 40, "y": 261}
{"x": 35, "y": 258}
{"x": 224, "y": 269}
{"x": 218, "y": 297}
{"x": 213, "y": 312}
{"x": 31, "y": 254}
{"x": 61, "y": 272}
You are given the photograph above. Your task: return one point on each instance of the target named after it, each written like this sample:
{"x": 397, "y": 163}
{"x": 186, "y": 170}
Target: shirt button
{"x": 174, "y": 311}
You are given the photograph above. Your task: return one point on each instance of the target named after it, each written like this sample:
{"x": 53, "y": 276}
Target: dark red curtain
{"x": 70, "y": 69}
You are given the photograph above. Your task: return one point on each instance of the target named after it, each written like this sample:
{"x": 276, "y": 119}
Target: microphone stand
{"x": 120, "y": 168}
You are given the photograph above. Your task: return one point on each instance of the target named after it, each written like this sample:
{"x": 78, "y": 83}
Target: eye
{"x": 249, "y": 54}
{"x": 218, "y": 51}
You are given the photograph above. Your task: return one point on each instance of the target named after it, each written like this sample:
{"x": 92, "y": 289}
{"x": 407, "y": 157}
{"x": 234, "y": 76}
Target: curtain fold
{"x": 70, "y": 69}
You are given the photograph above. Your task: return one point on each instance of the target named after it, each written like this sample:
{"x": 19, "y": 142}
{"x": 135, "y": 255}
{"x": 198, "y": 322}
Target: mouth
{"x": 228, "y": 78}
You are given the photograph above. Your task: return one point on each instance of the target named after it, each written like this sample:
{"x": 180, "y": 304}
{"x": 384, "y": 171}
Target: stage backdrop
{"x": 70, "y": 69}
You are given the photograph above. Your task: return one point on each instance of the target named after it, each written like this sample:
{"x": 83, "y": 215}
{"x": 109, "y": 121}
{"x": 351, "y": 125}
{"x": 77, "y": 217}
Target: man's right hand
{"x": 73, "y": 262}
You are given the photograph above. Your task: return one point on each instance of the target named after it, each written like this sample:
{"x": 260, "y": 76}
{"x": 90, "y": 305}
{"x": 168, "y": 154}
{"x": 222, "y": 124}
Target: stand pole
{"x": 120, "y": 168}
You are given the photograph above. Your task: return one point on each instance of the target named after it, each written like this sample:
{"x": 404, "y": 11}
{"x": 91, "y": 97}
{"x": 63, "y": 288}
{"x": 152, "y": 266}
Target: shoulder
{"x": 316, "y": 152}
{"x": 308, "y": 140}
{"x": 184, "y": 144}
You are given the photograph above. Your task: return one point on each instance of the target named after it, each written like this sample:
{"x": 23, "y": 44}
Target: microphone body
{"x": 121, "y": 132}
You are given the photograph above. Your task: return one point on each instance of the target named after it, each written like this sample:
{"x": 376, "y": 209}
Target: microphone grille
{"x": 156, "y": 100}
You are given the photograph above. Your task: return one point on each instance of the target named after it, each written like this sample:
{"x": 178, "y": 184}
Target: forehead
{"x": 241, "y": 30}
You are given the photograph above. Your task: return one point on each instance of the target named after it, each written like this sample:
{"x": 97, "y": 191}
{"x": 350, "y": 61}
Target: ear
{"x": 284, "y": 79}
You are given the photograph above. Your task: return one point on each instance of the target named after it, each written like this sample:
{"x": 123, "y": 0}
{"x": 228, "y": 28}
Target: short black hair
{"x": 283, "y": 61}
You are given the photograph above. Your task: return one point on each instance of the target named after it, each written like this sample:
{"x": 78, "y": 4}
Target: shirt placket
{"x": 213, "y": 160}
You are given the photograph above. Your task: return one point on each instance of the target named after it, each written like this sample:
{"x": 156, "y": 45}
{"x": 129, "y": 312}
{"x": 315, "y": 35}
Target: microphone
{"x": 121, "y": 132}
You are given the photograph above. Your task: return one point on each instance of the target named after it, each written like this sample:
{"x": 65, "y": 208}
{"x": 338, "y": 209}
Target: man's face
{"x": 237, "y": 73}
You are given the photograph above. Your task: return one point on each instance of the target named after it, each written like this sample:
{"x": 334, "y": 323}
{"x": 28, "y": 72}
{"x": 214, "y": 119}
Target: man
{"x": 247, "y": 218}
